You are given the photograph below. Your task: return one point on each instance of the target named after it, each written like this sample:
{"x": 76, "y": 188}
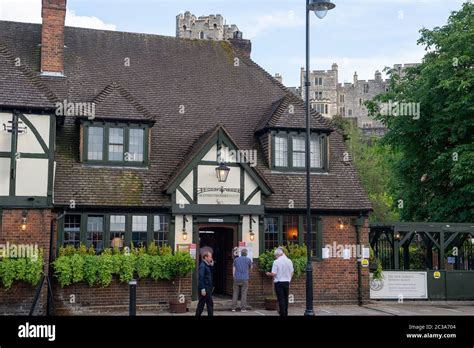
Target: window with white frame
{"x": 115, "y": 143}
{"x": 139, "y": 230}
{"x": 161, "y": 229}
{"x": 295, "y": 149}
{"x": 117, "y": 226}
{"x": 281, "y": 150}
{"x": 298, "y": 151}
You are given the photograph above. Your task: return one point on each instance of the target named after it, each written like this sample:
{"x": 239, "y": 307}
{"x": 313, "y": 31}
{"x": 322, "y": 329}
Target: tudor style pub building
{"x": 164, "y": 157}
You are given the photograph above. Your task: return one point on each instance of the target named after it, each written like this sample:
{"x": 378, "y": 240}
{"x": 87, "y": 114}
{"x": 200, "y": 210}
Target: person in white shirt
{"x": 282, "y": 272}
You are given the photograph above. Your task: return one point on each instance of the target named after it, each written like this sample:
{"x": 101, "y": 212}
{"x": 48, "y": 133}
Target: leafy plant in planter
{"x": 177, "y": 267}
{"x": 265, "y": 262}
{"x": 24, "y": 269}
{"x": 296, "y": 253}
{"x": 85, "y": 265}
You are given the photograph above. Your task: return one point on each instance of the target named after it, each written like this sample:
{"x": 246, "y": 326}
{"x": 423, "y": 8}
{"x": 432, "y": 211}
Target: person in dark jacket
{"x": 205, "y": 285}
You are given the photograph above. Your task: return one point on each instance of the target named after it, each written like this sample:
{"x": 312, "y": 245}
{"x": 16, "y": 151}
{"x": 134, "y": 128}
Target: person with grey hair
{"x": 282, "y": 272}
{"x": 241, "y": 273}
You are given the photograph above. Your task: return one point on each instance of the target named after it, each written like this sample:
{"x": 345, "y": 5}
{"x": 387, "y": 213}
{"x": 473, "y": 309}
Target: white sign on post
{"x": 410, "y": 285}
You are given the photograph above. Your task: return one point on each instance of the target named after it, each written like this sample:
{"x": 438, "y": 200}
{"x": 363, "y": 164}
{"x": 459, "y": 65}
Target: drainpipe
{"x": 49, "y": 301}
{"x": 358, "y": 222}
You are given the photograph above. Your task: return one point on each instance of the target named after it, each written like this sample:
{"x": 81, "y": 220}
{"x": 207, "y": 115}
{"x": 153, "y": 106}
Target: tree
{"x": 373, "y": 163}
{"x": 435, "y": 172}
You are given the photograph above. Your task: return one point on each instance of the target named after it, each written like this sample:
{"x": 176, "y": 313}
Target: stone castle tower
{"x": 330, "y": 98}
{"x": 212, "y": 27}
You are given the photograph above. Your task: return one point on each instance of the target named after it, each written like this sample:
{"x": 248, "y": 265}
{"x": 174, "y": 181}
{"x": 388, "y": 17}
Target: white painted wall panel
{"x": 5, "y": 138}
{"x": 257, "y": 199}
{"x": 28, "y": 142}
{"x": 32, "y": 177}
{"x": 180, "y": 199}
{"x": 207, "y": 179}
{"x": 211, "y": 155}
{"x": 187, "y": 184}
{"x": 4, "y": 176}
{"x": 250, "y": 185}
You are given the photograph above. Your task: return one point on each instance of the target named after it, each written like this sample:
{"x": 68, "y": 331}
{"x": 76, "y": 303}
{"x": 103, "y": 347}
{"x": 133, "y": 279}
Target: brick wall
{"x": 335, "y": 279}
{"x": 18, "y": 299}
{"x": 82, "y": 299}
{"x": 52, "y": 36}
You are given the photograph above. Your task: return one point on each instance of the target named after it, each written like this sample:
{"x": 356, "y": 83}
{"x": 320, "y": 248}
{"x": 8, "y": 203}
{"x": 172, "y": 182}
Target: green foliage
{"x": 434, "y": 173}
{"x": 299, "y": 265}
{"x": 143, "y": 265}
{"x": 417, "y": 256}
{"x": 295, "y": 252}
{"x": 152, "y": 249}
{"x": 373, "y": 161}
{"x": 82, "y": 264}
{"x": 8, "y": 272}
{"x": 180, "y": 265}
{"x": 104, "y": 269}
{"x": 63, "y": 270}
{"x": 265, "y": 261}
{"x": 159, "y": 268}
{"x": 377, "y": 273}
{"x": 165, "y": 250}
{"x": 127, "y": 267}
{"x": 90, "y": 269}
{"x": 24, "y": 269}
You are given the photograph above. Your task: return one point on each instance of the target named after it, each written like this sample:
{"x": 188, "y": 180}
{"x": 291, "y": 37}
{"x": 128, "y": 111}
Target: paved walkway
{"x": 379, "y": 308}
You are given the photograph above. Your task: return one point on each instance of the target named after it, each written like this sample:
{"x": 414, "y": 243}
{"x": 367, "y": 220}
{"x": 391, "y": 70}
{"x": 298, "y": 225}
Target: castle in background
{"x": 331, "y": 98}
{"x": 212, "y": 27}
{"x": 327, "y": 95}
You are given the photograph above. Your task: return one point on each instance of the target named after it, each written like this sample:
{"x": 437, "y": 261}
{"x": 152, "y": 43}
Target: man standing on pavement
{"x": 241, "y": 273}
{"x": 205, "y": 285}
{"x": 282, "y": 272}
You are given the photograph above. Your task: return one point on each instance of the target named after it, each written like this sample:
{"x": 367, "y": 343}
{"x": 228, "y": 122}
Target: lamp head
{"x": 320, "y": 7}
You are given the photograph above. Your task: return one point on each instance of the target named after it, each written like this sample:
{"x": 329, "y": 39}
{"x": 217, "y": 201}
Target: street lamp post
{"x": 320, "y": 8}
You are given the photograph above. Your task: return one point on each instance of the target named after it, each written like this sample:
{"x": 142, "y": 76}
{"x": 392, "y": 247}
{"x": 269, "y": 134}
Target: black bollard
{"x": 133, "y": 297}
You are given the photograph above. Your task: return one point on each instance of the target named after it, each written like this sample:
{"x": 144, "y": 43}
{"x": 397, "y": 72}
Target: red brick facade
{"x": 335, "y": 279}
{"x": 52, "y": 36}
{"x": 19, "y": 298}
{"x": 151, "y": 295}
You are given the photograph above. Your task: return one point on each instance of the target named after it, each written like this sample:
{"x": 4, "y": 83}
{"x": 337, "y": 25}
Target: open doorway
{"x": 221, "y": 240}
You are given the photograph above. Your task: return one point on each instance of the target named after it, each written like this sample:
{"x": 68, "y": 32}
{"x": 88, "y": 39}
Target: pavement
{"x": 374, "y": 308}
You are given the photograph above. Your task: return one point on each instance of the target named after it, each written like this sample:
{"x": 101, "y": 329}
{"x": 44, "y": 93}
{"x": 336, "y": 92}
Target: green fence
{"x": 451, "y": 285}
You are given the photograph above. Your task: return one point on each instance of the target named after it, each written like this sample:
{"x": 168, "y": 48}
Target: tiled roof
{"x": 186, "y": 86}
{"x": 19, "y": 86}
{"x": 116, "y": 102}
{"x": 288, "y": 113}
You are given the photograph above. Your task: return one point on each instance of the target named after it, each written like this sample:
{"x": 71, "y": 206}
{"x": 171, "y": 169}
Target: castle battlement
{"x": 211, "y": 27}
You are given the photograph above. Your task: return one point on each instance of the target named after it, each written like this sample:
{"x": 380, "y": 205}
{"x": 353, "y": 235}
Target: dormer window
{"x": 112, "y": 143}
{"x": 289, "y": 152}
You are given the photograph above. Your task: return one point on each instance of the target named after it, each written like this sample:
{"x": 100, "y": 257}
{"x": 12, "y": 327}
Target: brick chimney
{"x": 53, "y": 13}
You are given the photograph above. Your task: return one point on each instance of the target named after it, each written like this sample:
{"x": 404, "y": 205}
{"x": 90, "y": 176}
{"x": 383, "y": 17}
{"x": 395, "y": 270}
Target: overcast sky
{"x": 359, "y": 35}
